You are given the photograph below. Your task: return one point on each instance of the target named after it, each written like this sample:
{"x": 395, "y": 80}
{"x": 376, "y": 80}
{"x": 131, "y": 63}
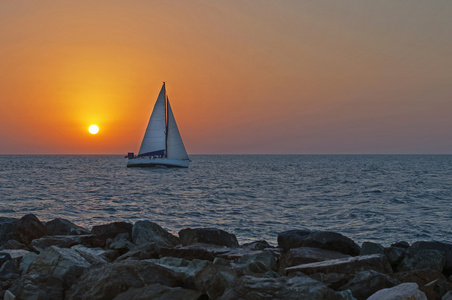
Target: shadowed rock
{"x": 60, "y": 226}
{"x": 160, "y": 292}
{"x": 214, "y": 236}
{"x": 148, "y": 232}
{"x": 444, "y": 248}
{"x": 299, "y": 288}
{"x": 415, "y": 258}
{"x": 39, "y": 287}
{"x": 350, "y": 265}
{"x": 420, "y": 276}
{"x": 409, "y": 290}
{"x": 29, "y": 228}
{"x": 107, "y": 282}
{"x": 144, "y": 251}
{"x": 61, "y": 241}
{"x": 109, "y": 231}
{"x": 364, "y": 284}
{"x": 306, "y": 255}
{"x": 324, "y": 239}
{"x": 369, "y": 248}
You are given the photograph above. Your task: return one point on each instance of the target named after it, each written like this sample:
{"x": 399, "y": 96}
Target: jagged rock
{"x": 145, "y": 251}
{"x": 7, "y": 226}
{"x": 186, "y": 269}
{"x": 447, "y": 296}
{"x": 395, "y": 255}
{"x": 364, "y": 284}
{"x": 213, "y": 279}
{"x": 403, "y": 291}
{"x": 13, "y": 244}
{"x": 9, "y": 270}
{"x": 26, "y": 261}
{"x": 436, "y": 289}
{"x": 421, "y": 276}
{"x": 60, "y": 226}
{"x": 305, "y": 255}
{"x": 38, "y": 287}
{"x": 148, "y": 232}
{"x": 61, "y": 241}
{"x": 401, "y": 244}
{"x": 214, "y": 236}
{"x": 190, "y": 254}
{"x": 160, "y": 292}
{"x": 415, "y": 259}
{"x": 444, "y": 248}
{"x": 351, "y": 265}
{"x": 9, "y": 296}
{"x": 109, "y": 231}
{"x": 299, "y": 288}
{"x": 4, "y": 257}
{"x": 63, "y": 263}
{"x": 259, "y": 262}
{"x": 369, "y": 248}
{"x": 324, "y": 239}
{"x": 14, "y": 254}
{"x": 292, "y": 238}
{"x": 121, "y": 242}
{"x": 28, "y": 228}
{"x": 257, "y": 245}
{"x": 332, "y": 280}
{"x": 92, "y": 255}
{"x": 108, "y": 281}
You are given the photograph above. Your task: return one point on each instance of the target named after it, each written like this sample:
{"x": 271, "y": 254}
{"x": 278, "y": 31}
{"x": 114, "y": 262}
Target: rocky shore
{"x": 123, "y": 261}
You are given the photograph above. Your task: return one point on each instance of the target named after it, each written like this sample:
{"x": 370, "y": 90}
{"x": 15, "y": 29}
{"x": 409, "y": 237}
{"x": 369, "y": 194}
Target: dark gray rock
{"x": 421, "y": 276}
{"x": 292, "y": 238}
{"x": 332, "y": 280}
{"x": 436, "y": 289}
{"x": 28, "y": 228}
{"x": 7, "y": 227}
{"x": 257, "y": 245}
{"x": 403, "y": 291}
{"x": 26, "y": 261}
{"x": 351, "y": 265}
{"x": 160, "y": 292}
{"x": 395, "y": 255}
{"x": 122, "y": 243}
{"x": 364, "y": 284}
{"x": 9, "y": 270}
{"x": 148, "y": 232}
{"x": 38, "y": 287}
{"x": 259, "y": 262}
{"x": 306, "y": 255}
{"x": 61, "y": 241}
{"x": 214, "y": 236}
{"x": 416, "y": 258}
{"x": 324, "y": 239}
{"x": 65, "y": 264}
{"x": 4, "y": 257}
{"x": 299, "y": 288}
{"x": 13, "y": 244}
{"x": 60, "y": 226}
{"x": 444, "y": 248}
{"x": 369, "y": 248}
{"x": 401, "y": 244}
{"x": 145, "y": 251}
{"x": 187, "y": 253}
{"x": 108, "y": 281}
{"x": 92, "y": 255}
{"x": 213, "y": 279}
{"x": 109, "y": 231}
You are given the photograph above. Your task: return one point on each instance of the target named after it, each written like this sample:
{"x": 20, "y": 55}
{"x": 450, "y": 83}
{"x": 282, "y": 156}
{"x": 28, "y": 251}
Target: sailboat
{"x": 162, "y": 144}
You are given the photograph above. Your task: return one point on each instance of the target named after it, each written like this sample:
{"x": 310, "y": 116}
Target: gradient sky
{"x": 308, "y": 77}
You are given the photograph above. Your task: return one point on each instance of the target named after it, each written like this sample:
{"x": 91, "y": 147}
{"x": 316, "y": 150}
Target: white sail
{"x": 154, "y": 138}
{"x": 175, "y": 148}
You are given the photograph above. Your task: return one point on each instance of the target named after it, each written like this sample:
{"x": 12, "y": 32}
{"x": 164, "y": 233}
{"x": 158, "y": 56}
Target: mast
{"x": 166, "y": 121}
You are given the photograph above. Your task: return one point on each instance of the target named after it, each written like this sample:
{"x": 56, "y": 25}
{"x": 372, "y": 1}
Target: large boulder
{"x": 299, "y": 288}
{"x": 306, "y": 255}
{"x": 65, "y": 264}
{"x": 187, "y": 253}
{"x": 28, "y": 228}
{"x": 364, "y": 284}
{"x": 148, "y": 232}
{"x": 160, "y": 292}
{"x": 368, "y": 248}
{"x": 60, "y": 226}
{"x": 109, "y": 231}
{"x": 444, "y": 248}
{"x": 38, "y": 287}
{"x": 108, "y": 281}
{"x": 93, "y": 255}
{"x": 214, "y": 279}
{"x": 351, "y": 265}
{"x": 214, "y": 236}
{"x": 415, "y": 258}
{"x": 324, "y": 239}
{"x": 144, "y": 251}
{"x": 61, "y": 241}
{"x": 7, "y": 226}
{"x": 259, "y": 262}
{"x": 436, "y": 289}
{"x": 9, "y": 270}
{"x": 403, "y": 291}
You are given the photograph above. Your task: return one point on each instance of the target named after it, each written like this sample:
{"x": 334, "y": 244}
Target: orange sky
{"x": 242, "y": 76}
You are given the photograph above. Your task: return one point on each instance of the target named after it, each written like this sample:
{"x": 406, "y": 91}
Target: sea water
{"x": 379, "y": 198}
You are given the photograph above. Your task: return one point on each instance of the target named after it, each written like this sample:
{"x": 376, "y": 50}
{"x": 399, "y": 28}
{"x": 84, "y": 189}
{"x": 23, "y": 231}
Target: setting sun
{"x": 93, "y": 129}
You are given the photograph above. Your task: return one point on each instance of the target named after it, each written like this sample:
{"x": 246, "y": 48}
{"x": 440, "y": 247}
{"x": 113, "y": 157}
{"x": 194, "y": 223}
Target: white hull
{"x": 154, "y": 162}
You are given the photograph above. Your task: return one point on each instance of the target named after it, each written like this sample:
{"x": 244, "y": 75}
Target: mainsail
{"x": 154, "y": 138}
{"x": 174, "y": 146}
